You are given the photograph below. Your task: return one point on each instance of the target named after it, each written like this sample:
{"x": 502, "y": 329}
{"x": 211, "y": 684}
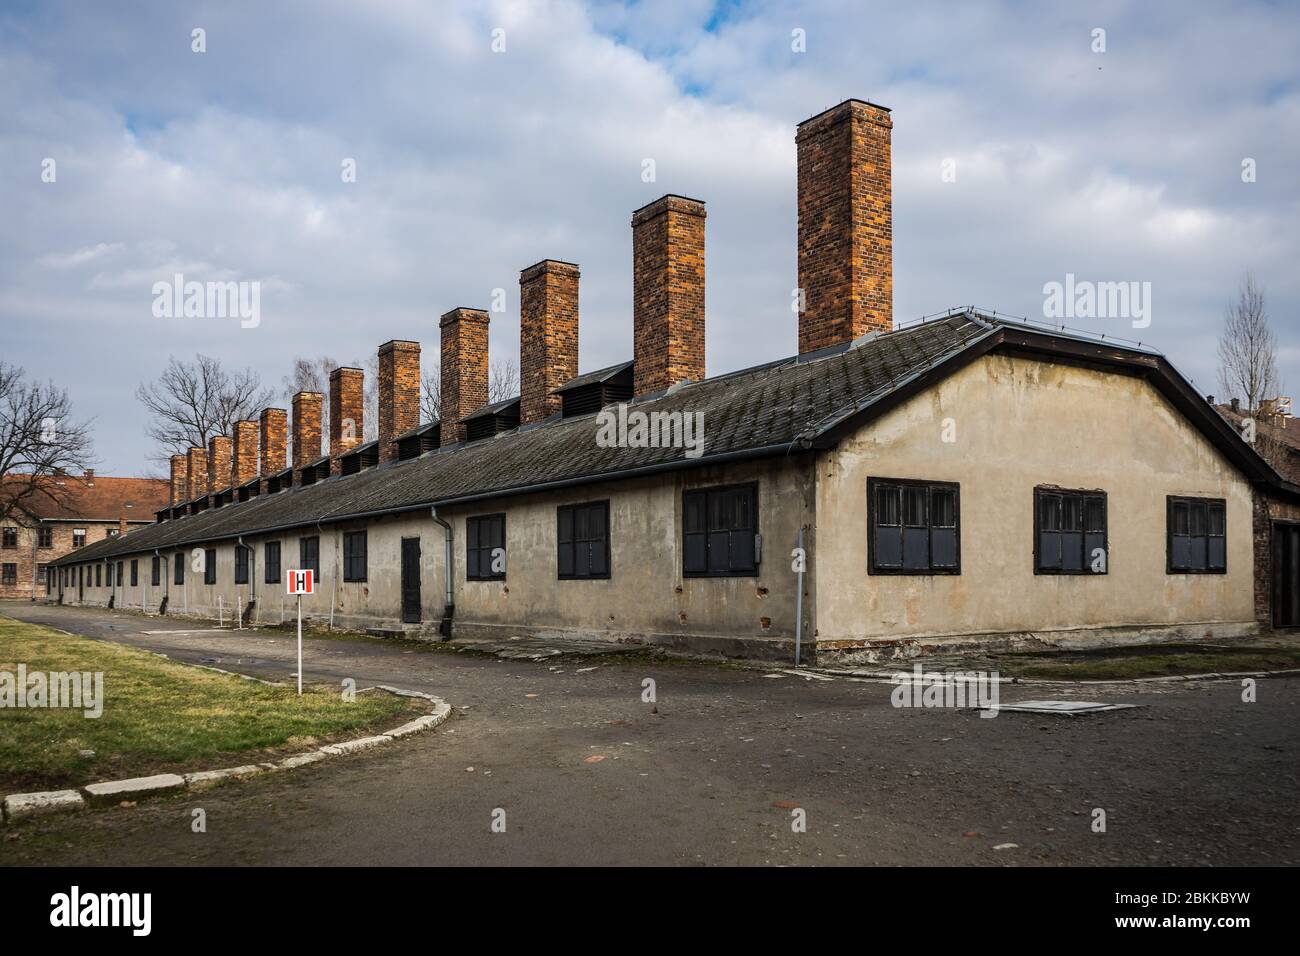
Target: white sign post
{"x": 299, "y": 582}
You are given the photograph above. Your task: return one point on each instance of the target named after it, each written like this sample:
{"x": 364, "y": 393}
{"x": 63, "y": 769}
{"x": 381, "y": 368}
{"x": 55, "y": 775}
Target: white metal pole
{"x": 299, "y": 645}
{"x": 798, "y": 601}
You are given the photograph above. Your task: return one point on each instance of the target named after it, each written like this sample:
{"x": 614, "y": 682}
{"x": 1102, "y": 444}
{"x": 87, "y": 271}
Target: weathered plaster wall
{"x": 1019, "y": 424}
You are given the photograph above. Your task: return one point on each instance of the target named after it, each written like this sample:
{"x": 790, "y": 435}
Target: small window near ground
{"x": 309, "y": 556}
{"x": 271, "y": 558}
{"x": 720, "y": 531}
{"x": 354, "y": 556}
{"x": 1070, "y": 532}
{"x": 485, "y": 548}
{"x": 582, "y": 541}
{"x": 914, "y": 527}
{"x": 1197, "y": 535}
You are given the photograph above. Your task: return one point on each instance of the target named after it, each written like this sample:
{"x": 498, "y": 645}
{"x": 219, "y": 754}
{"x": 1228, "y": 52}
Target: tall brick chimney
{"x": 548, "y": 336}
{"x": 218, "y": 463}
{"x": 306, "y": 431}
{"x": 245, "y": 452}
{"x": 196, "y": 473}
{"x": 668, "y": 293}
{"x": 179, "y": 487}
{"x": 464, "y": 369}
{"x": 347, "y": 413}
{"x": 274, "y": 426}
{"x": 846, "y": 225}
{"x": 399, "y": 393}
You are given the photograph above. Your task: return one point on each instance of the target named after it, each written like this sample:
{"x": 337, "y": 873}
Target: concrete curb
{"x": 20, "y": 806}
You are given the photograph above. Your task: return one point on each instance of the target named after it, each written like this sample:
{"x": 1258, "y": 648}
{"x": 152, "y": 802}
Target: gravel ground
{"x": 714, "y": 772}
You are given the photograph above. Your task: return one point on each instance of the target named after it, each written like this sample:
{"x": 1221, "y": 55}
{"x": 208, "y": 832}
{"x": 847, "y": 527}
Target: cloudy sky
{"x": 471, "y": 164}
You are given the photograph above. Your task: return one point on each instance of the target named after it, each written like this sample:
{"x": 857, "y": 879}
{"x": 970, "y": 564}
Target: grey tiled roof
{"x": 774, "y": 409}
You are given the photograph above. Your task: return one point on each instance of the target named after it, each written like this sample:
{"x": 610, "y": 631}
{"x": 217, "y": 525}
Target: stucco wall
{"x": 1019, "y": 424}
{"x": 646, "y": 596}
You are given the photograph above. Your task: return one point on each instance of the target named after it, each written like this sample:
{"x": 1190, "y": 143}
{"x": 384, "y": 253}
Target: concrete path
{"x": 588, "y": 773}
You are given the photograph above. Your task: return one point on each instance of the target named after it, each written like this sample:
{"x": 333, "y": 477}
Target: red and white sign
{"x": 299, "y": 582}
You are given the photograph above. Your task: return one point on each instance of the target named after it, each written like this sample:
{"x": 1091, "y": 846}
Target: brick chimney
{"x": 245, "y": 452}
{"x": 846, "y": 225}
{"x": 274, "y": 426}
{"x": 196, "y": 473}
{"x": 179, "y": 488}
{"x": 121, "y": 525}
{"x": 399, "y": 393}
{"x": 548, "y": 336}
{"x": 347, "y": 413}
{"x": 668, "y": 293}
{"x": 464, "y": 369}
{"x": 218, "y": 463}
{"x": 306, "y": 431}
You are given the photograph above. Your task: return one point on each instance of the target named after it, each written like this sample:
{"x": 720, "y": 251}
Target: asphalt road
{"x": 713, "y": 771}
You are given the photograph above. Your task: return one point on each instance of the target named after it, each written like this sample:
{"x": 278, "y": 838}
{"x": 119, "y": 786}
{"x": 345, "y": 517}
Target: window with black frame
{"x": 484, "y": 535}
{"x": 271, "y": 558}
{"x": 241, "y": 564}
{"x": 354, "y": 556}
{"x": 210, "y": 566}
{"x": 309, "y": 556}
{"x": 178, "y": 568}
{"x": 1197, "y": 536}
{"x": 719, "y": 531}
{"x": 914, "y": 527}
{"x": 155, "y": 572}
{"x": 1070, "y": 532}
{"x": 582, "y": 539}
{"x": 135, "y": 572}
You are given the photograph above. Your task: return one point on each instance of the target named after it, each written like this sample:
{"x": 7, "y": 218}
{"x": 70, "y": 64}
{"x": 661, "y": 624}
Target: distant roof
{"x": 781, "y": 408}
{"x": 592, "y": 378}
{"x": 98, "y": 498}
{"x": 494, "y": 409}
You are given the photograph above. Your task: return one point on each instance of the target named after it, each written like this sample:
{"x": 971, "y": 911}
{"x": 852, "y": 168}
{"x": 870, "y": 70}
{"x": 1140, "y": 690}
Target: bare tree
{"x": 503, "y": 383}
{"x": 194, "y": 401}
{"x": 1248, "y": 349}
{"x": 1248, "y": 367}
{"x": 38, "y": 439}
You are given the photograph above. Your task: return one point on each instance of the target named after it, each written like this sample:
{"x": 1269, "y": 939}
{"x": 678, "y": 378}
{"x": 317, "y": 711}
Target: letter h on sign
{"x": 299, "y": 582}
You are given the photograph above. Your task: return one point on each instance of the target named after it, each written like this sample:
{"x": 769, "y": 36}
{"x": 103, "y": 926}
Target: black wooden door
{"x": 1286, "y": 575}
{"x": 410, "y": 580}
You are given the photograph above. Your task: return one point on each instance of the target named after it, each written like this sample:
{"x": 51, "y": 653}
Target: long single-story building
{"x": 887, "y": 490}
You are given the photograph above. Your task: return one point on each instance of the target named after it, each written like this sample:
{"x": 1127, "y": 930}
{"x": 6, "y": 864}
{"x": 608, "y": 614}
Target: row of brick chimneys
{"x": 845, "y": 254}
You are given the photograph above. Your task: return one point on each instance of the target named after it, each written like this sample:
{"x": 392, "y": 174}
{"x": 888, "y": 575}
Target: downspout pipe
{"x": 450, "y": 603}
